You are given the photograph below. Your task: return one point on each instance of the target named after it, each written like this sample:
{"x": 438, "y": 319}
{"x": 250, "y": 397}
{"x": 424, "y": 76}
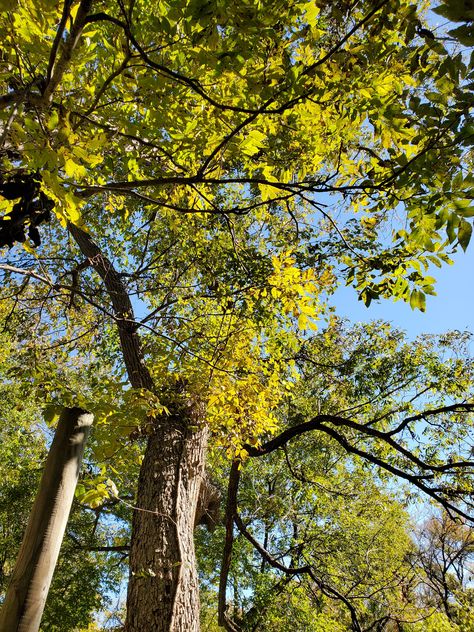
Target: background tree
{"x": 446, "y": 551}
{"x": 309, "y": 512}
{"x": 84, "y": 574}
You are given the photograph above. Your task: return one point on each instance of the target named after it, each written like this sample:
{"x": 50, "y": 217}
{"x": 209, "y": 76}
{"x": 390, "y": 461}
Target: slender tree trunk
{"x": 24, "y": 603}
{"x": 163, "y": 592}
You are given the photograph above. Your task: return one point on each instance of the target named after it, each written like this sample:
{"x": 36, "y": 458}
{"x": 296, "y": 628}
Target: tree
{"x": 325, "y": 527}
{"x": 188, "y": 156}
{"x": 445, "y": 553}
{"x": 319, "y": 517}
{"x": 83, "y": 572}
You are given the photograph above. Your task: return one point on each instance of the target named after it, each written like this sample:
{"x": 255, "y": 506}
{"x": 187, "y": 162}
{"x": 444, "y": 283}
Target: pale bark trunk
{"x": 28, "y": 589}
{"x": 163, "y": 592}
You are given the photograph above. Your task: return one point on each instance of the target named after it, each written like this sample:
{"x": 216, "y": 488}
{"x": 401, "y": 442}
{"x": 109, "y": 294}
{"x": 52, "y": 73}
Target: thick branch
{"x": 58, "y": 67}
{"x": 58, "y": 38}
{"x": 138, "y": 373}
{"x": 365, "y": 429}
{"x": 418, "y": 480}
{"x": 411, "y": 478}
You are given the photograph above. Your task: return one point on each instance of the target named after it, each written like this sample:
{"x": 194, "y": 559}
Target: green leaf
{"x": 418, "y": 300}
{"x": 465, "y": 34}
{"x": 51, "y": 414}
{"x": 464, "y": 207}
{"x": 464, "y": 234}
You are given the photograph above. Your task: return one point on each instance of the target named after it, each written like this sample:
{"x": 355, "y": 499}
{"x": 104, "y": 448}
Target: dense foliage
{"x": 181, "y": 187}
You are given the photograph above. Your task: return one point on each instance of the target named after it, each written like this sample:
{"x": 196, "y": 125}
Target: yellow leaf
{"x": 302, "y": 321}
{"x": 72, "y": 210}
{"x": 73, "y": 11}
{"x": 74, "y": 170}
{"x": 253, "y": 143}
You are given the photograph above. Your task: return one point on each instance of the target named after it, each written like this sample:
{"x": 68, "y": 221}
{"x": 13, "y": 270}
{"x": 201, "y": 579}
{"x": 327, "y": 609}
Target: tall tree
{"x": 323, "y": 524}
{"x": 446, "y": 555}
{"x": 212, "y": 174}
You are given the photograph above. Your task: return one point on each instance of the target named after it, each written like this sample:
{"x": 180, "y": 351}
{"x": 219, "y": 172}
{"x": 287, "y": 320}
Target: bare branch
{"x": 27, "y": 273}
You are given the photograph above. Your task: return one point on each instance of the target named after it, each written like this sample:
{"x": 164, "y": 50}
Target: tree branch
{"x": 430, "y": 413}
{"x": 57, "y": 68}
{"x": 440, "y": 494}
{"x": 58, "y": 38}
{"x": 137, "y": 370}
{"x": 230, "y": 513}
{"x": 329, "y": 591}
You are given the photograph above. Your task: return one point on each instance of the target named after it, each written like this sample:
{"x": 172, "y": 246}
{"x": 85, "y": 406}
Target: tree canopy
{"x": 183, "y": 185}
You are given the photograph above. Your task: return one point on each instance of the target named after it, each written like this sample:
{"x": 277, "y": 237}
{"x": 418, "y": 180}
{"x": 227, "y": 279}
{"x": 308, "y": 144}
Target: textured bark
{"x": 163, "y": 591}
{"x": 208, "y": 511}
{"x": 137, "y": 370}
{"x": 28, "y": 589}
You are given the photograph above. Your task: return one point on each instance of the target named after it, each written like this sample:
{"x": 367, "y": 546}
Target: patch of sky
{"x": 451, "y": 309}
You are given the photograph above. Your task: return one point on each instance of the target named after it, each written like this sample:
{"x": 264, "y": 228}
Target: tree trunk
{"x": 24, "y": 603}
{"x": 163, "y": 591}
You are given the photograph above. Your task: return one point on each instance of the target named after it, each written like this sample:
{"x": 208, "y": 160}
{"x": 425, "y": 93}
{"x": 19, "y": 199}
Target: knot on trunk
{"x": 208, "y": 504}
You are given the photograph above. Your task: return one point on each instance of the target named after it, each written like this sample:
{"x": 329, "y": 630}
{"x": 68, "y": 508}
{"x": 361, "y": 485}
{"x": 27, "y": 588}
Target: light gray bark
{"x": 28, "y": 589}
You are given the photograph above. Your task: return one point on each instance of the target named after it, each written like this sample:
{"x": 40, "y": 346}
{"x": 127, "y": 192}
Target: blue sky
{"x": 452, "y": 308}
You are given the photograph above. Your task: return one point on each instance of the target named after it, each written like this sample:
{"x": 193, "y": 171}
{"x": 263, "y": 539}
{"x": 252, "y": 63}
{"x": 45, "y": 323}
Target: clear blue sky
{"x": 452, "y": 308}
